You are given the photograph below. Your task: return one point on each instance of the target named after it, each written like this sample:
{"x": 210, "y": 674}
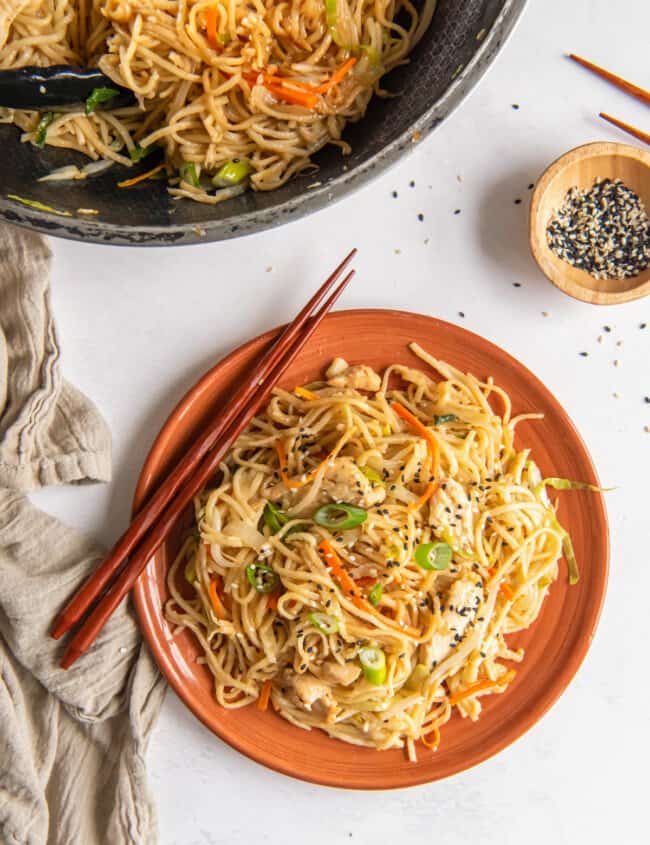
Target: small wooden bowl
{"x": 582, "y": 167}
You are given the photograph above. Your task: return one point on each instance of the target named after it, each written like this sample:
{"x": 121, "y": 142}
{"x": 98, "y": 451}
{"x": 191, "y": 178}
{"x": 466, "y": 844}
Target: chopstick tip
{"x": 71, "y": 655}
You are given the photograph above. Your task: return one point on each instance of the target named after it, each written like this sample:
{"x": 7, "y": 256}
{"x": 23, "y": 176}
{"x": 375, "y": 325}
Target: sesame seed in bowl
{"x": 590, "y": 223}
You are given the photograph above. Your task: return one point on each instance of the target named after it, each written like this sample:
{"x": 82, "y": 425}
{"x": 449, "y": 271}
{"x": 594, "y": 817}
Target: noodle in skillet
{"x": 259, "y": 84}
{"x": 366, "y": 552}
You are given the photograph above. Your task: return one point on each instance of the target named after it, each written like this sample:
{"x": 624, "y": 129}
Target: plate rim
{"x": 552, "y": 693}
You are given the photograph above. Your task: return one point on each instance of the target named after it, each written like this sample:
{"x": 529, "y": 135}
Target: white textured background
{"x": 139, "y": 326}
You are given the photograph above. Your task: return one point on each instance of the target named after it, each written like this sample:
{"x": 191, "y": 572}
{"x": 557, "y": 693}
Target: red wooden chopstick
{"x": 626, "y": 127}
{"x": 148, "y": 515}
{"x": 623, "y": 84}
{"x": 95, "y": 621}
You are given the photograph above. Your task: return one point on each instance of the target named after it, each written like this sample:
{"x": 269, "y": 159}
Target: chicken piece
{"x": 452, "y": 513}
{"x": 344, "y": 482}
{"x": 461, "y": 604}
{"x": 359, "y": 377}
{"x": 309, "y": 692}
{"x": 342, "y": 674}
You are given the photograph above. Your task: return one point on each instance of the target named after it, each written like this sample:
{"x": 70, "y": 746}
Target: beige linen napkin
{"x": 72, "y": 743}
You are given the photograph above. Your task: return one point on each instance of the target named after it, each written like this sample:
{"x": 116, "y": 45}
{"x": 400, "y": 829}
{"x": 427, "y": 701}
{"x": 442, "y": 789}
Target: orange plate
{"x": 555, "y": 645}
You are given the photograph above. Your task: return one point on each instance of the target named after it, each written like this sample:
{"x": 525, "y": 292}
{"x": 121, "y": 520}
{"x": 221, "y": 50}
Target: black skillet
{"x": 463, "y": 39}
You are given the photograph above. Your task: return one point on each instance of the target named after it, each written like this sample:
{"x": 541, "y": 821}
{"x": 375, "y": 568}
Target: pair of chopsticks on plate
{"x": 623, "y": 85}
{"x": 104, "y": 590}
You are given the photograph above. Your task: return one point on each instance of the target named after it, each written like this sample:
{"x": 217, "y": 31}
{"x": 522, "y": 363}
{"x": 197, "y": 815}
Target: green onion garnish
{"x": 189, "y": 173}
{"x": 433, "y": 556}
{"x": 372, "y": 475}
{"x": 263, "y": 578}
{"x": 566, "y": 484}
{"x": 373, "y": 663}
{"x": 39, "y": 206}
{"x": 138, "y": 153}
{"x": 273, "y": 517}
{"x": 41, "y": 129}
{"x": 232, "y": 173}
{"x": 99, "y": 95}
{"x": 325, "y": 623}
{"x": 190, "y": 572}
{"x": 340, "y": 516}
{"x": 440, "y": 419}
{"x": 374, "y": 596}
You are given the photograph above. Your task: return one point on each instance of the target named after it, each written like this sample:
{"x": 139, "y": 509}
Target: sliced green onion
{"x": 99, "y": 95}
{"x": 374, "y": 596}
{"x": 373, "y": 663}
{"x": 190, "y": 572}
{"x": 340, "y": 23}
{"x": 189, "y": 173}
{"x": 372, "y": 475}
{"x": 274, "y": 518}
{"x": 325, "y": 623}
{"x": 41, "y": 129}
{"x": 232, "y": 173}
{"x": 138, "y": 153}
{"x": 417, "y": 677}
{"x": 373, "y": 55}
{"x": 223, "y": 38}
{"x": 340, "y": 516}
{"x": 566, "y": 484}
{"x": 569, "y": 553}
{"x": 447, "y": 537}
{"x": 39, "y": 206}
{"x": 332, "y": 18}
{"x": 263, "y": 578}
{"x": 441, "y": 419}
{"x": 433, "y": 556}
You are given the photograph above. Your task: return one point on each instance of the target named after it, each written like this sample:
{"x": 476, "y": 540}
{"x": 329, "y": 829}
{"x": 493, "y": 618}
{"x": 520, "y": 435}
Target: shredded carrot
{"x": 299, "y": 98}
{"x": 334, "y": 79}
{"x": 129, "y": 183}
{"x": 421, "y": 429}
{"x": 217, "y": 604}
{"x": 366, "y": 581}
{"x": 431, "y": 743}
{"x": 432, "y": 448}
{"x": 272, "y": 602}
{"x": 505, "y": 589}
{"x": 282, "y": 460}
{"x": 432, "y": 486}
{"x": 351, "y": 590}
{"x": 265, "y": 695}
{"x": 295, "y": 90}
{"x": 304, "y": 393}
{"x": 211, "y": 26}
{"x": 479, "y": 686}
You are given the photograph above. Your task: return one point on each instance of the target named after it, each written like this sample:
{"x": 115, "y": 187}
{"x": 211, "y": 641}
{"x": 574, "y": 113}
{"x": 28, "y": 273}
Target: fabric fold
{"x": 72, "y": 743}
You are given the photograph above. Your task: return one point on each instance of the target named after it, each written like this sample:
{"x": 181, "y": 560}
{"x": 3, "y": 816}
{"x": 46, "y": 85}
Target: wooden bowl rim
{"x": 166, "y": 652}
{"x": 538, "y": 246}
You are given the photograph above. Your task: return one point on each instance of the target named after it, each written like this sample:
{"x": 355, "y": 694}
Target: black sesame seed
{"x": 516, "y": 284}
{"x": 457, "y": 211}
{"x": 584, "y": 354}
{"x": 517, "y": 201}
{"x": 461, "y": 313}
{"x": 515, "y": 106}
{"x": 420, "y": 217}
{"x": 394, "y": 194}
